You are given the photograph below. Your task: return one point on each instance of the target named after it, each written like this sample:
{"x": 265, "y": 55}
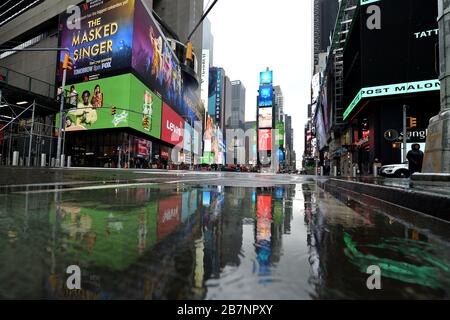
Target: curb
{"x": 431, "y": 204}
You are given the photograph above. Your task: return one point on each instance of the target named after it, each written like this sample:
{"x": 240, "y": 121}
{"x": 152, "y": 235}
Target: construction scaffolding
{"x": 28, "y": 110}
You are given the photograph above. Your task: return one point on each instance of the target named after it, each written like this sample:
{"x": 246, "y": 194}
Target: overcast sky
{"x": 251, "y": 35}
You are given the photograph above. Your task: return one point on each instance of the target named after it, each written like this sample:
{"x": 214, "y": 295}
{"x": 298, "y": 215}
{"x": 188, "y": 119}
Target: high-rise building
{"x": 290, "y": 153}
{"x": 135, "y": 127}
{"x": 208, "y": 41}
{"x": 325, "y": 12}
{"x": 235, "y": 113}
{"x": 279, "y": 103}
{"x": 182, "y": 16}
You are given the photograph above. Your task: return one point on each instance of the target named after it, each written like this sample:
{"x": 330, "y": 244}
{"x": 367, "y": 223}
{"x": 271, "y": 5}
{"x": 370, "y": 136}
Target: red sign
{"x": 164, "y": 154}
{"x": 169, "y": 216}
{"x": 172, "y": 127}
{"x": 265, "y": 140}
{"x": 264, "y": 207}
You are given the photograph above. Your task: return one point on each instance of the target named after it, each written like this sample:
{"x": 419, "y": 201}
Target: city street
{"x": 190, "y": 235}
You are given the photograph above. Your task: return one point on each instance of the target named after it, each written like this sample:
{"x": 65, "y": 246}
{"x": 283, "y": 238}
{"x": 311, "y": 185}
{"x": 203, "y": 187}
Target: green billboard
{"x": 279, "y": 136}
{"x": 116, "y": 102}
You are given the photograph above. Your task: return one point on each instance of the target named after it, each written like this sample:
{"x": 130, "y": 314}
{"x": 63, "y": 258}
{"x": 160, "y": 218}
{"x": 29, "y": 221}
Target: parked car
{"x": 395, "y": 170}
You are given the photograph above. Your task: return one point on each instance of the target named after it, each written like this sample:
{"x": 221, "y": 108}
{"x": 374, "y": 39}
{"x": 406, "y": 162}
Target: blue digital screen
{"x": 266, "y": 77}
{"x": 265, "y": 96}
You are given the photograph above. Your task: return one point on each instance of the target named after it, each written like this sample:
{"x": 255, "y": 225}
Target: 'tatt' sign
{"x": 172, "y": 126}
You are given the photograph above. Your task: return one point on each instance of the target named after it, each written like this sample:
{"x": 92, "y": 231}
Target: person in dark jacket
{"x": 415, "y": 159}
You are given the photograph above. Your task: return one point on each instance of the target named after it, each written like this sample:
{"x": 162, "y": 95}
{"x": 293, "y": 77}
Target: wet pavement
{"x": 186, "y": 235}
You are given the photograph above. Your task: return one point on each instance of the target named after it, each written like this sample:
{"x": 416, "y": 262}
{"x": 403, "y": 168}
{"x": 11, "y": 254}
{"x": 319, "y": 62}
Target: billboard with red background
{"x": 265, "y": 140}
{"x": 172, "y": 126}
{"x": 169, "y": 215}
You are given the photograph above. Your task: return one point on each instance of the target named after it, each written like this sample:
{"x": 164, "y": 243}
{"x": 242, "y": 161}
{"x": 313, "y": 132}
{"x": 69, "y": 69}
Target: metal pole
{"x": 61, "y": 109}
{"x": 31, "y": 135}
{"x": 64, "y": 142}
{"x": 405, "y": 133}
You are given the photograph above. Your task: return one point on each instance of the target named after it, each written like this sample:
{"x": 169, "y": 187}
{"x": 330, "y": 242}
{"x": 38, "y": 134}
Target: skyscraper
{"x": 208, "y": 41}
{"x": 325, "y": 12}
{"x": 182, "y": 16}
{"x": 235, "y": 114}
{"x": 279, "y": 103}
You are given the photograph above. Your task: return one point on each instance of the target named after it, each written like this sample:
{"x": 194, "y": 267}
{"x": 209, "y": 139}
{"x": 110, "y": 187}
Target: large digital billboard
{"x": 266, "y": 78}
{"x": 265, "y": 140}
{"x": 172, "y": 127}
{"x": 215, "y": 92}
{"x": 265, "y": 98}
{"x": 158, "y": 67}
{"x": 188, "y": 137}
{"x": 100, "y": 41}
{"x": 265, "y": 118}
{"x": 402, "y": 53}
{"x": 115, "y": 102}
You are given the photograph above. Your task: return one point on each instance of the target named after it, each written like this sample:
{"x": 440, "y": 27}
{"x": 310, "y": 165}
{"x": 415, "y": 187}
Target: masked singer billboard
{"x": 100, "y": 41}
{"x": 158, "y": 67}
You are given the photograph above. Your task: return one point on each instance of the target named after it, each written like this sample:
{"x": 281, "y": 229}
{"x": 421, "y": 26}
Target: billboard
{"x": 172, "y": 126}
{"x": 265, "y": 140}
{"x": 188, "y": 137}
{"x": 102, "y": 44}
{"x": 266, "y": 78}
{"x": 205, "y": 78}
{"x": 265, "y": 98}
{"x": 215, "y": 103}
{"x": 169, "y": 216}
{"x": 115, "y": 102}
{"x": 156, "y": 64}
{"x": 280, "y": 132}
{"x": 265, "y": 118}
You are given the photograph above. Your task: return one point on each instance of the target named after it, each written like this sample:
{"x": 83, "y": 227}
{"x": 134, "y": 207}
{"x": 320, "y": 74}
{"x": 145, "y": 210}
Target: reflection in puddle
{"x": 211, "y": 242}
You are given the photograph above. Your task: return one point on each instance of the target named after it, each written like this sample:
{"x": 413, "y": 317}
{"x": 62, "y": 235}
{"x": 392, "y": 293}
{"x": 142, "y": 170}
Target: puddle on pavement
{"x": 211, "y": 242}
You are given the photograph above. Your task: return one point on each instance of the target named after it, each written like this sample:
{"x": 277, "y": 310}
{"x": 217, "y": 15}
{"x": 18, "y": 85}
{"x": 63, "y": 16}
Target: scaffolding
{"x": 28, "y": 133}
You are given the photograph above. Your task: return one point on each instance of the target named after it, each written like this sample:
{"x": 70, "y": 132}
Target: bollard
{"x": 43, "y": 160}
{"x": 69, "y": 161}
{"x": 63, "y": 161}
{"x": 375, "y": 171}
{"x": 335, "y": 171}
{"x": 15, "y": 161}
{"x": 52, "y": 163}
{"x": 354, "y": 172}
{"x": 321, "y": 171}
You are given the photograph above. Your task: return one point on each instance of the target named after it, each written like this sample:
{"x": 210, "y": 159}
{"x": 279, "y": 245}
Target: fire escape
{"x": 344, "y": 21}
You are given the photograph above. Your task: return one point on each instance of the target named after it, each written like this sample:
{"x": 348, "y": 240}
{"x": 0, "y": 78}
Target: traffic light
{"x": 412, "y": 122}
{"x": 68, "y": 62}
{"x": 146, "y": 123}
{"x": 113, "y": 110}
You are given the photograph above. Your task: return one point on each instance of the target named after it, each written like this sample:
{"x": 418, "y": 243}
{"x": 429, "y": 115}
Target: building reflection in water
{"x": 144, "y": 243}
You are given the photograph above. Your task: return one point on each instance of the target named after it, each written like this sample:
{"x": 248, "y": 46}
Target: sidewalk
{"x": 431, "y": 198}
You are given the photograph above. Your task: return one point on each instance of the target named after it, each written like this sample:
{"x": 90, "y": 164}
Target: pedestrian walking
{"x": 415, "y": 159}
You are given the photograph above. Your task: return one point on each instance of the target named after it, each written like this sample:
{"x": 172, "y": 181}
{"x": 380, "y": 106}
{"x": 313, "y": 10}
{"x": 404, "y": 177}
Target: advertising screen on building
{"x": 266, "y": 78}
{"x": 100, "y": 41}
{"x": 280, "y": 132}
{"x": 265, "y": 118}
{"x": 411, "y": 29}
{"x": 116, "y": 102}
{"x": 172, "y": 127}
{"x": 188, "y": 137}
{"x": 265, "y": 140}
{"x": 158, "y": 67}
{"x": 265, "y": 98}
{"x": 215, "y": 101}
